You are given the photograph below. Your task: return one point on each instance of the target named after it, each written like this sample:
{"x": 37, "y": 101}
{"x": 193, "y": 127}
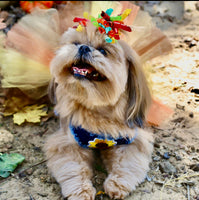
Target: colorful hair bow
{"x": 106, "y": 24}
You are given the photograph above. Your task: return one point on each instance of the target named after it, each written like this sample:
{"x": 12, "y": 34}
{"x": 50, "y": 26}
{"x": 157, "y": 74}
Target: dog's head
{"x": 96, "y": 73}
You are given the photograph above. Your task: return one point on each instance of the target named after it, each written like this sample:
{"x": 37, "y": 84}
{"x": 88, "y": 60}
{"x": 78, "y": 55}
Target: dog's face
{"x": 91, "y": 70}
{"x": 96, "y": 73}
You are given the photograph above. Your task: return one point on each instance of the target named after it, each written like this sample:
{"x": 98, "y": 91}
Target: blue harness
{"x": 91, "y": 140}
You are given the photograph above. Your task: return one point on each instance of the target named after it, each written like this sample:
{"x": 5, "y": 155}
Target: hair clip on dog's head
{"x": 106, "y": 24}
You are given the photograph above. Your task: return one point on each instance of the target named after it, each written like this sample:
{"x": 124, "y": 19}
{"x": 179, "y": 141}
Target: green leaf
{"x": 8, "y": 163}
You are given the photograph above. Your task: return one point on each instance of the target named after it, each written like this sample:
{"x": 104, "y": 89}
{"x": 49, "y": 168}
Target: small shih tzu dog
{"x": 101, "y": 98}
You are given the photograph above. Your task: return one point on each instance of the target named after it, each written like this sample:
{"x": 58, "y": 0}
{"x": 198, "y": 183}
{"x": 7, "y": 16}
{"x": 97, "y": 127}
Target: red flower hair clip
{"x": 106, "y": 24}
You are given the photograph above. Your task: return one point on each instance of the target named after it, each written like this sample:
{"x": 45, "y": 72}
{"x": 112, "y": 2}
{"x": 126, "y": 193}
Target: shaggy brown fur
{"x": 114, "y": 106}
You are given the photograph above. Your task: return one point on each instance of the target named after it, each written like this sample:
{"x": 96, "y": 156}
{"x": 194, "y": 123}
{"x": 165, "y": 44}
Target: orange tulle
{"x": 158, "y": 113}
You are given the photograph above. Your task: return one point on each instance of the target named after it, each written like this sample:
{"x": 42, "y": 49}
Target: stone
{"x": 157, "y": 145}
{"x": 6, "y": 140}
{"x": 195, "y": 167}
{"x": 178, "y": 157}
{"x": 156, "y": 158}
{"x": 191, "y": 115}
{"x": 167, "y": 167}
{"x": 166, "y": 155}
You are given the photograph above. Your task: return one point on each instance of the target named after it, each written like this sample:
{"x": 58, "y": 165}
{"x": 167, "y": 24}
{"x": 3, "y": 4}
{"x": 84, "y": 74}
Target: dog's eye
{"x": 102, "y": 51}
{"x": 76, "y": 43}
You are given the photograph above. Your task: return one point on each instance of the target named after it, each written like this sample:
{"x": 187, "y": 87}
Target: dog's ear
{"x": 52, "y": 91}
{"x": 138, "y": 92}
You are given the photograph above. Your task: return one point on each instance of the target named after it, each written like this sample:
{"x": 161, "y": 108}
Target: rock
{"x": 38, "y": 149}
{"x": 166, "y": 134}
{"x": 182, "y": 167}
{"x": 195, "y": 167}
{"x": 191, "y": 115}
{"x": 193, "y": 149}
{"x": 158, "y": 153}
{"x": 166, "y": 155}
{"x": 165, "y": 12}
{"x": 157, "y": 145}
{"x": 180, "y": 107}
{"x": 178, "y": 120}
{"x": 29, "y": 171}
{"x": 167, "y": 167}
{"x": 178, "y": 157}
{"x": 156, "y": 158}
{"x": 22, "y": 175}
{"x": 195, "y": 90}
{"x": 159, "y": 182}
{"x": 192, "y": 43}
{"x": 6, "y": 139}
{"x": 188, "y": 40}
{"x": 158, "y": 140}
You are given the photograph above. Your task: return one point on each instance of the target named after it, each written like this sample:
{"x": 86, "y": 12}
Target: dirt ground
{"x": 174, "y": 171}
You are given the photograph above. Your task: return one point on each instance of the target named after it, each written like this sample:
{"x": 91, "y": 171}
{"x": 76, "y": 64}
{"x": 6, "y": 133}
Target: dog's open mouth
{"x": 83, "y": 70}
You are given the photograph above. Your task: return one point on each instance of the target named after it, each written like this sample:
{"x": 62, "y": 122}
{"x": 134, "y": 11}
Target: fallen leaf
{"x": 14, "y": 104}
{"x": 30, "y": 114}
{"x": 8, "y": 163}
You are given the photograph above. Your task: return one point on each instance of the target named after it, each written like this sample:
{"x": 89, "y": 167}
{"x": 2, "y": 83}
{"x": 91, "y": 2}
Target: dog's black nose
{"x": 84, "y": 50}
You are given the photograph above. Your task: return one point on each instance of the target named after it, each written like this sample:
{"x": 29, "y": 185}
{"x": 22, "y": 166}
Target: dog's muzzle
{"x": 82, "y": 68}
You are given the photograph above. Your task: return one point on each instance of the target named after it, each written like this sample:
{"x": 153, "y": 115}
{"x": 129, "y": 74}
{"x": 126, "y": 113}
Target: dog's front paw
{"x": 83, "y": 196}
{"x": 117, "y": 187}
{"x": 86, "y": 192}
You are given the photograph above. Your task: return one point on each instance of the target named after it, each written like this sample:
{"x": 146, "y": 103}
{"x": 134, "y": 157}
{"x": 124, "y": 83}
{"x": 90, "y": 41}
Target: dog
{"x": 101, "y": 97}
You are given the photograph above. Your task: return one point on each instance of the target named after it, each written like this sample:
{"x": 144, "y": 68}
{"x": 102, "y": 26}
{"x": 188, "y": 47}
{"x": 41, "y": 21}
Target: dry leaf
{"x": 30, "y": 114}
{"x": 15, "y": 104}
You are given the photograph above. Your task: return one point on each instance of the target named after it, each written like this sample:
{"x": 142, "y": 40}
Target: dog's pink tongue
{"x": 82, "y": 71}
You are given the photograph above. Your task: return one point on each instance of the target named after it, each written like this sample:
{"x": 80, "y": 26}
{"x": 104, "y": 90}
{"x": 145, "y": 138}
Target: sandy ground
{"x": 174, "y": 171}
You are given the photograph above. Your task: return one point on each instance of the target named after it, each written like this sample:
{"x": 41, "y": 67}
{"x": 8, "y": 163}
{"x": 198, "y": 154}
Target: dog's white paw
{"x": 83, "y": 196}
{"x": 86, "y": 192}
{"x": 117, "y": 188}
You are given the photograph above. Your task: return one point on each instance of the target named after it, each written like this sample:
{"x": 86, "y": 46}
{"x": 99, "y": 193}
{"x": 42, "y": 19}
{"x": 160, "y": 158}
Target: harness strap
{"x": 88, "y": 139}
